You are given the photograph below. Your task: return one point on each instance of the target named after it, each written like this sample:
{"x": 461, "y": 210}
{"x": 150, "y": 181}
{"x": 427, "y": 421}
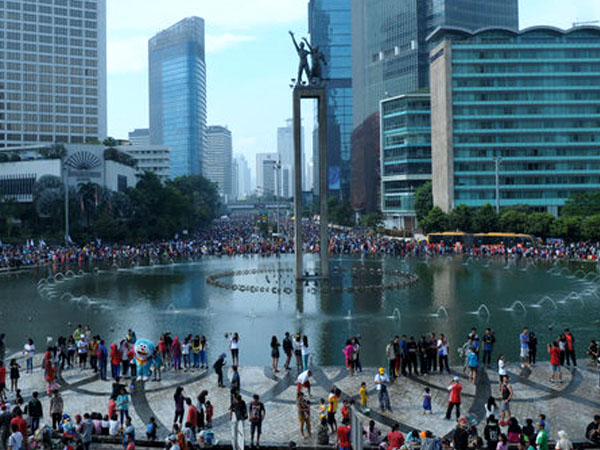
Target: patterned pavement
{"x": 568, "y": 406}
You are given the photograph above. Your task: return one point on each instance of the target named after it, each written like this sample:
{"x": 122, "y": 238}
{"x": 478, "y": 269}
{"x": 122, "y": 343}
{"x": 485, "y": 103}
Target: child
{"x": 113, "y": 425}
{"x": 322, "y": 408}
{"x": 14, "y": 375}
{"x": 151, "y": 429}
{"x": 427, "y": 401}
{"x": 362, "y": 392}
{"x": 209, "y": 414}
{"x": 345, "y": 409}
{"x": 105, "y": 424}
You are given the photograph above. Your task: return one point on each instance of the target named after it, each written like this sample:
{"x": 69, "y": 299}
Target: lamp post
{"x": 277, "y": 187}
{"x": 497, "y": 162}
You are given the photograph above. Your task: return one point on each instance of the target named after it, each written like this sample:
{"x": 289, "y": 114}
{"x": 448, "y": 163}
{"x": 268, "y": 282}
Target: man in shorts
{"x": 524, "y": 340}
{"x": 303, "y": 380}
{"x": 554, "y": 351}
{"x": 256, "y": 415}
{"x": 303, "y": 408}
{"x": 507, "y": 393}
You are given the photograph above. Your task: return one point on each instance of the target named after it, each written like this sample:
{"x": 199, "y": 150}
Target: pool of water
{"x": 452, "y": 295}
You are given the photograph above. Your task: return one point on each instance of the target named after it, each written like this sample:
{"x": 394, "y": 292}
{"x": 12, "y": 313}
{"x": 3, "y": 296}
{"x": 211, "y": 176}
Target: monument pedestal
{"x": 315, "y": 93}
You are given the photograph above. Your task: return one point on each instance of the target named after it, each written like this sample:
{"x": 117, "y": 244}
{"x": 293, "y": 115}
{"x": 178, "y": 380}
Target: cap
{"x": 463, "y": 420}
{"x": 542, "y": 423}
{"x": 456, "y": 379}
{"x": 3, "y": 407}
{"x": 381, "y": 370}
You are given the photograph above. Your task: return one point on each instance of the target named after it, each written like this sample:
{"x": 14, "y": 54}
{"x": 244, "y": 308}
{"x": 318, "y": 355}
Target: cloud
{"x": 216, "y": 43}
{"x": 154, "y": 15}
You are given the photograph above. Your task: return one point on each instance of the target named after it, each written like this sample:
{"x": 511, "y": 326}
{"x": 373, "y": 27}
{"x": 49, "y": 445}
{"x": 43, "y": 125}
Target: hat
{"x": 456, "y": 379}
{"x": 542, "y": 423}
{"x": 463, "y": 420}
{"x": 3, "y": 407}
{"x": 381, "y": 370}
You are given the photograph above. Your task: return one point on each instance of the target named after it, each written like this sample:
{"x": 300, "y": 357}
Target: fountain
{"x": 544, "y": 299}
{"x": 442, "y": 309}
{"x": 517, "y": 303}
{"x": 70, "y": 273}
{"x": 171, "y": 308}
{"x": 395, "y": 315}
{"x": 482, "y": 307}
{"x": 67, "y": 295}
{"x": 348, "y": 315}
{"x": 575, "y": 296}
{"x": 59, "y": 277}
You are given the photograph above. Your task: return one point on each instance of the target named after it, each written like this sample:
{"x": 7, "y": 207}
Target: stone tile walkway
{"x": 568, "y": 406}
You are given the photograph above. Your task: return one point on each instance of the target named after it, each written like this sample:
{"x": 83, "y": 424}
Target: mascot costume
{"x": 144, "y": 348}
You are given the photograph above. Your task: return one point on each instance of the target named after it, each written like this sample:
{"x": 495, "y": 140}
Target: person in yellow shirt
{"x": 362, "y": 392}
{"x": 322, "y": 409}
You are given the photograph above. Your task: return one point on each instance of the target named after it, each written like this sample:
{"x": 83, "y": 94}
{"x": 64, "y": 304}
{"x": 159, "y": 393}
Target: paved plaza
{"x": 569, "y": 406}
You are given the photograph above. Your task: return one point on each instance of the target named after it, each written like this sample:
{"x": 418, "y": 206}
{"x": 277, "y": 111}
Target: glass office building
{"x": 330, "y": 29}
{"x": 52, "y": 71}
{"x": 391, "y": 56}
{"x": 177, "y": 74}
{"x": 530, "y": 98}
{"x": 405, "y": 156}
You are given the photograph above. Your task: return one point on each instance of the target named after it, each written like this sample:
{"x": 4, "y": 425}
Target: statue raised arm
{"x": 303, "y": 67}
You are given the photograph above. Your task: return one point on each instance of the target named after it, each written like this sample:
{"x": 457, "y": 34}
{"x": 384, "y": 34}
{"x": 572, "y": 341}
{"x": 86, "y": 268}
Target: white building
{"x": 53, "y": 76}
{"x": 150, "y": 158}
{"x": 218, "y": 158}
{"x": 82, "y": 164}
{"x": 139, "y": 136}
{"x": 260, "y": 158}
{"x": 241, "y": 182}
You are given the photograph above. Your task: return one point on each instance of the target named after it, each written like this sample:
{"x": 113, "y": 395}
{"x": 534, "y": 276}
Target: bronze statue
{"x": 316, "y": 73}
{"x": 303, "y": 64}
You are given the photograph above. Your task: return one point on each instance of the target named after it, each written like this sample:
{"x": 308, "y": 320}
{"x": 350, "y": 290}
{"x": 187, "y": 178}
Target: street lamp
{"x": 277, "y": 183}
{"x": 497, "y": 162}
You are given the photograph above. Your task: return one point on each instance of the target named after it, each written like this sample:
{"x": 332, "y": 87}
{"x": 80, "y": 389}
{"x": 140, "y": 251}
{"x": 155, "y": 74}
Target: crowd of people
{"x": 22, "y": 427}
{"x": 241, "y": 237}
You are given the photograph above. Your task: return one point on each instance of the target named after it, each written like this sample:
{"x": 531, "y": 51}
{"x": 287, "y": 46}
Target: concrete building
{"x": 269, "y": 175}
{"x": 82, "y": 164}
{"x": 139, "y": 136}
{"x": 330, "y": 28}
{"x": 177, "y": 80}
{"x": 285, "y": 150}
{"x": 390, "y": 57}
{"x": 241, "y": 177}
{"x": 150, "y": 158}
{"x": 528, "y": 100}
{"x": 260, "y": 158}
{"x": 218, "y": 158}
{"x": 53, "y": 72}
{"x": 405, "y": 156}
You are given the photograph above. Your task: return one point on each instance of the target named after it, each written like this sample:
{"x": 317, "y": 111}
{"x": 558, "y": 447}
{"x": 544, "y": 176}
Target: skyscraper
{"x": 260, "y": 182}
{"x": 390, "y": 57}
{"x": 329, "y": 25}
{"x": 241, "y": 177}
{"x": 53, "y": 76}
{"x": 218, "y": 158}
{"x": 177, "y": 75}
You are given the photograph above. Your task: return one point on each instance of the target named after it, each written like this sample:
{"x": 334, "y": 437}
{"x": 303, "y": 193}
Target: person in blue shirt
{"x": 488, "y": 346}
{"x": 151, "y": 429}
{"x": 524, "y": 341}
{"x": 473, "y": 362}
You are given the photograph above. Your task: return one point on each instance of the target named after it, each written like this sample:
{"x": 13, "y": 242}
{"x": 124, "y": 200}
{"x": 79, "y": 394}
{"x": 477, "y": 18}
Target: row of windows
{"x": 49, "y": 99}
{"x": 539, "y": 125}
{"x": 529, "y": 194}
{"x": 60, "y": 109}
{"x": 30, "y": 5}
{"x": 48, "y": 29}
{"x": 401, "y": 105}
{"x": 522, "y": 138}
{"x": 30, "y": 118}
{"x": 74, "y": 41}
{"x": 391, "y": 140}
{"x": 407, "y": 168}
{"x": 11, "y": 137}
{"x": 474, "y": 83}
{"x": 406, "y": 152}
{"x": 526, "y": 180}
{"x": 519, "y": 69}
{"x": 526, "y": 152}
{"x": 524, "y": 110}
{"x": 31, "y": 128}
{"x": 541, "y": 54}
{"x": 49, "y": 89}
{"x": 13, "y": 77}
{"x": 62, "y": 21}
{"x": 526, "y": 166}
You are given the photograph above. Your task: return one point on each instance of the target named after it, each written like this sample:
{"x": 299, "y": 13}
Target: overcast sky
{"x": 249, "y": 58}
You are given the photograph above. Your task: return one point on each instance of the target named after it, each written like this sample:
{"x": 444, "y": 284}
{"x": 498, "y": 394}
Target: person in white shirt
{"x": 29, "y": 351}
{"x": 382, "y": 382}
{"x": 563, "y": 442}
{"x": 15, "y": 441}
{"x": 501, "y": 370}
{"x": 305, "y": 351}
{"x": 186, "y": 348}
{"x": 303, "y": 380}
{"x": 443, "y": 349}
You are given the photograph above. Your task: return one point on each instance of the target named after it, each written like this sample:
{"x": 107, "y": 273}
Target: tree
{"x": 512, "y": 221}
{"x": 340, "y": 212}
{"x": 582, "y": 204}
{"x": 485, "y": 219}
{"x": 538, "y": 224}
{"x": 436, "y": 220}
{"x": 423, "y": 200}
{"x": 109, "y": 142}
{"x": 55, "y": 151}
{"x": 590, "y": 228}
{"x": 460, "y": 218}
{"x": 568, "y": 228}
{"x": 371, "y": 220}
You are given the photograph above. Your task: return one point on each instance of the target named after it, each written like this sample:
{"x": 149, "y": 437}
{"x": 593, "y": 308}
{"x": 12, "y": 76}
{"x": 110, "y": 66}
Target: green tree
{"x": 460, "y": 218}
{"x": 371, "y": 220}
{"x": 437, "y": 220}
{"x": 539, "y": 224}
{"x": 340, "y": 212}
{"x": 568, "y": 228}
{"x": 582, "y": 204}
{"x": 512, "y": 221}
{"x": 485, "y": 219}
{"x": 423, "y": 200}
{"x": 109, "y": 142}
{"x": 590, "y": 228}
{"x": 55, "y": 151}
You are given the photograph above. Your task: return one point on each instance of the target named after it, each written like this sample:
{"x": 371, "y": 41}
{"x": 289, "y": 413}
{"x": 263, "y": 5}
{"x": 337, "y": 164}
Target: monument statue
{"x": 303, "y": 67}
{"x": 316, "y": 57}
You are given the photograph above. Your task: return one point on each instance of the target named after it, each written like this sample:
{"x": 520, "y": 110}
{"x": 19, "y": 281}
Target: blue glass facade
{"x": 531, "y": 98}
{"x": 178, "y": 94}
{"x": 405, "y": 156}
{"x": 330, "y": 29}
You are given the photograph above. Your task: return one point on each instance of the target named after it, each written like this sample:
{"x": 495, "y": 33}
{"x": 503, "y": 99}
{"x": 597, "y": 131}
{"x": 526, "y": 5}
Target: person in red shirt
{"x": 395, "y": 438}
{"x": 115, "y": 361}
{"x": 20, "y": 422}
{"x": 455, "y": 389}
{"x": 192, "y": 415}
{"x": 554, "y": 351}
{"x": 346, "y": 410}
{"x": 570, "y": 350}
{"x": 2, "y": 381}
{"x": 343, "y": 435}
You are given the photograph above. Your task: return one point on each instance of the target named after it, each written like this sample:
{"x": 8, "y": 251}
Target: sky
{"x": 249, "y": 57}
